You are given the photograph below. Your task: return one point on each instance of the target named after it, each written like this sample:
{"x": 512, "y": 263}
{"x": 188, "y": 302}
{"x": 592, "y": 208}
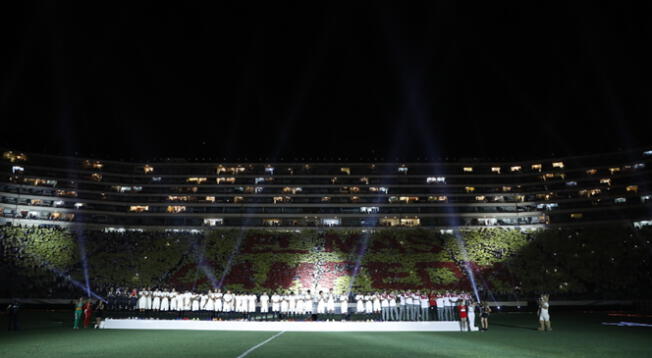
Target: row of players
{"x": 404, "y": 305}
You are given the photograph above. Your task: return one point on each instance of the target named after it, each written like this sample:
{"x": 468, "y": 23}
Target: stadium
{"x": 498, "y": 230}
{"x": 320, "y": 180}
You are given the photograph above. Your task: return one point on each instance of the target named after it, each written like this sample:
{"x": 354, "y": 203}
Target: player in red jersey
{"x": 463, "y": 313}
{"x": 88, "y": 313}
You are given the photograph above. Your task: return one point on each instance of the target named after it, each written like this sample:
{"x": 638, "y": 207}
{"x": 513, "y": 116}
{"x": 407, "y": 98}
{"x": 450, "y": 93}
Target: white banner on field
{"x": 277, "y": 326}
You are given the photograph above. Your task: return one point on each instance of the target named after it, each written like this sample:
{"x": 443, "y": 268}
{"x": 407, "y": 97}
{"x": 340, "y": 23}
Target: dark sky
{"x": 308, "y": 80}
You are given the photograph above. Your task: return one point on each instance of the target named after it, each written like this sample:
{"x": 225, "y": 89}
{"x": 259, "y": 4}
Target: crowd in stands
{"x": 601, "y": 262}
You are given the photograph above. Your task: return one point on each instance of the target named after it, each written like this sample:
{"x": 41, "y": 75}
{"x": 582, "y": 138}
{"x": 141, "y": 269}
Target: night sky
{"x": 351, "y": 80}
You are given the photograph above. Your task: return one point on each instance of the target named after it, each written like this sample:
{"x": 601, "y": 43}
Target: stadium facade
{"x": 39, "y": 189}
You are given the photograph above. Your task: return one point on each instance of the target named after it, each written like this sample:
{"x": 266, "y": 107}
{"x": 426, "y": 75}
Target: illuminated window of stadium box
{"x": 225, "y": 180}
{"x": 331, "y": 222}
{"x": 196, "y": 180}
{"x": 213, "y": 221}
{"x": 395, "y": 221}
{"x": 69, "y": 193}
{"x": 293, "y": 190}
{"x": 435, "y": 180}
{"x": 14, "y": 157}
{"x": 92, "y": 164}
{"x": 176, "y": 209}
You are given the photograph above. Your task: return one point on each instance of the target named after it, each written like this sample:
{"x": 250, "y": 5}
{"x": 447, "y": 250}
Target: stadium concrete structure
{"x": 39, "y": 189}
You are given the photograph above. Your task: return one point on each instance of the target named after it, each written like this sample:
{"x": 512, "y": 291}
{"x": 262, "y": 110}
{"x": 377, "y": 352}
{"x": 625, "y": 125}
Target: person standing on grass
{"x": 330, "y": 305}
{"x": 471, "y": 313}
{"x": 448, "y": 306}
{"x": 485, "y": 310}
{"x": 408, "y": 306}
{"x": 264, "y": 305}
{"x": 393, "y": 311}
{"x": 384, "y": 306}
{"x": 88, "y": 313}
{"x": 402, "y": 313}
{"x": 99, "y": 314}
{"x": 425, "y": 305}
{"x": 133, "y": 299}
{"x": 344, "y": 306}
{"x": 432, "y": 306}
{"x": 79, "y": 305}
{"x": 416, "y": 306}
{"x": 463, "y": 314}
{"x": 219, "y": 304}
{"x": 321, "y": 306}
{"x": 544, "y": 315}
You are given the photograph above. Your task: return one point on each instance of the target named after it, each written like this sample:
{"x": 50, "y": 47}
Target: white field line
{"x": 259, "y": 344}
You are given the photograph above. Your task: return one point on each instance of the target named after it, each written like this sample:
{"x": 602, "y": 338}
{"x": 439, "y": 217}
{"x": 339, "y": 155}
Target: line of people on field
{"x": 377, "y": 306}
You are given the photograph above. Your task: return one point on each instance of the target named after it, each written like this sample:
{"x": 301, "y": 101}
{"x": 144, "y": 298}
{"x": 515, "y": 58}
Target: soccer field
{"x": 510, "y": 335}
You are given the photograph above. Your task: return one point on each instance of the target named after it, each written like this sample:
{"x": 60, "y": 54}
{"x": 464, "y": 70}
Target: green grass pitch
{"x": 49, "y": 334}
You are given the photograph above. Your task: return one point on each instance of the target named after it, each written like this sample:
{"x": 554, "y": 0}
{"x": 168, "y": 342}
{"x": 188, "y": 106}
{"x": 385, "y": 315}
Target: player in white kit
{"x": 544, "y": 314}
{"x": 292, "y": 305}
{"x": 195, "y": 299}
{"x": 156, "y": 300}
{"x": 173, "y": 300}
{"x": 321, "y": 305}
{"x": 307, "y": 303}
{"x": 299, "y": 304}
{"x": 276, "y": 305}
{"x": 285, "y": 305}
{"x": 359, "y": 303}
{"x": 209, "y": 305}
{"x": 264, "y": 305}
{"x": 150, "y": 298}
{"x": 219, "y": 303}
{"x": 228, "y": 304}
{"x": 471, "y": 313}
{"x": 376, "y": 306}
{"x": 142, "y": 300}
{"x": 252, "y": 306}
{"x": 368, "y": 306}
{"x": 330, "y": 305}
{"x": 344, "y": 307}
